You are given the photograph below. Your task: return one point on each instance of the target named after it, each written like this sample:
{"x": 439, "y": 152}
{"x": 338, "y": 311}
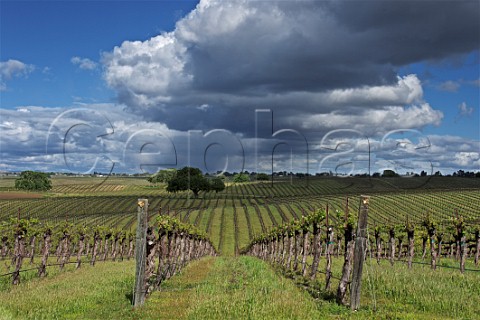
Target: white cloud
{"x": 467, "y": 159}
{"x": 376, "y": 121}
{"x": 13, "y": 68}
{"x": 464, "y": 110}
{"x": 84, "y": 63}
{"x": 203, "y": 107}
{"x": 115, "y": 135}
{"x": 407, "y": 90}
{"x": 449, "y": 86}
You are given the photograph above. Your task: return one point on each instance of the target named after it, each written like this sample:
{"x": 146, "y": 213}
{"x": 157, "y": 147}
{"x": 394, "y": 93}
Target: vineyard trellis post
{"x": 359, "y": 254}
{"x": 140, "y": 253}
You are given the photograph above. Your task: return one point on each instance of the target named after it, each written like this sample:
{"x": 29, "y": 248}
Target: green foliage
{"x": 166, "y": 224}
{"x": 459, "y": 226}
{"x": 378, "y": 229}
{"x": 163, "y": 176}
{"x": 241, "y": 178}
{"x": 189, "y": 178}
{"x": 262, "y": 177}
{"x": 217, "y": 185}
{"x": 389, "y": 174}
{"x": 429, "y": 224}
{"x": 317, "y": 216}
{"x": 33, "y": 181}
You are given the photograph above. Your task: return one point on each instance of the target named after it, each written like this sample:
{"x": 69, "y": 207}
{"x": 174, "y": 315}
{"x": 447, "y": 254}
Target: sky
{"x": 303, "y": 86}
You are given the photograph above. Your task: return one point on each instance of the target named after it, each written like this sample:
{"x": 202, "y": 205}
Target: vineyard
{"x": 420, "y": 223}
{"x": 252, "y": 209}
{"x": 23, "y": 239}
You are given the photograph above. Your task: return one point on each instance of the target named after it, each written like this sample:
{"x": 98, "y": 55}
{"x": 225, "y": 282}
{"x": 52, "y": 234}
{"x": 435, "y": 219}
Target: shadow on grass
{"x": 314, "y": 288}
{"x": 129, "y": 297}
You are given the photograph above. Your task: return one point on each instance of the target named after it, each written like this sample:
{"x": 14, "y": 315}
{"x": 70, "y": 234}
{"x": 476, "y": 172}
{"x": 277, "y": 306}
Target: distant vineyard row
{"x": 240, "y": 218}
{"x": 281, "y": 187}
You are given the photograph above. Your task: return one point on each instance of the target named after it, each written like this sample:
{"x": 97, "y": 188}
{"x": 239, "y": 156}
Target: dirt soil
{"x": 19, "y": 195}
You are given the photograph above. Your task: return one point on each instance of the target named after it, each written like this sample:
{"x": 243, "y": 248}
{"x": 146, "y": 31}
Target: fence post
{"x": 359, "y": 255}
{"x": 140, "y": 253}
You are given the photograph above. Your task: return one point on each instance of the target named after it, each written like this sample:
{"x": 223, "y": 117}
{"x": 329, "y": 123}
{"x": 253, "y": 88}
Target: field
{"x": 254, "y": 207}
{"x": 232, "y": 219}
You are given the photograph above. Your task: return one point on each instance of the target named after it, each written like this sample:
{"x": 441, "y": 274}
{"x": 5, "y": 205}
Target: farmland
{"x": 242, "y": 212}
{"x": 253, "y": 207}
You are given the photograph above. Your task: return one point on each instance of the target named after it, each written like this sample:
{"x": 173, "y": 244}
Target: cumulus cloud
{"x": 467, "y": 159}
{"x": 13, "y": 68}
{"x": 104, "y": 137}
{"x": 305, "y": 60}
{"x": 372, "y": 121}
{"x": 84, "y": 63}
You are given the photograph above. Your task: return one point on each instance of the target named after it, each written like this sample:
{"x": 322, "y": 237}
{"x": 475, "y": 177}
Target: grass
{"x": 88, "y": 293}
{"x": 243, "y": 288}
{"x": 422, "y": 292}
{"x": 247, "y": 288}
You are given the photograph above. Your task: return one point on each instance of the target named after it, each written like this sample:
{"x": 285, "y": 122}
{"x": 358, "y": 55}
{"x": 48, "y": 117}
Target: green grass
{"x": 422, "y": 292}
{"x": 228, "y": 233}
{"x": 247, "y": 288}
{"x": 88, "y": 293}
{"x": 242, "y": 288}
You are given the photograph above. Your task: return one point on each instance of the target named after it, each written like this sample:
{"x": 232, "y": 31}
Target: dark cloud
{"x": 303, "y": 59}
{"x": 403, "y": 32}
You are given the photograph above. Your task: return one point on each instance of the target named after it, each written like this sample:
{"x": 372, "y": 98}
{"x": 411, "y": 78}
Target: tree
{"x": 241, "y": 177}
{"x": 216, "y": 184}
{"x": 33, "y": 181}
{"x": 389, "y": 173}
{"x": 189, "y": 178}
{"x": 262, "y": 177}
{"x": 162, "y": 176}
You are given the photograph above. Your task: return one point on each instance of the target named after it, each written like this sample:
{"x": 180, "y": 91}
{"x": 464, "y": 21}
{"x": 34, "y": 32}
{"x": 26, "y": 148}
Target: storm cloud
{"x": 302, "y": 59}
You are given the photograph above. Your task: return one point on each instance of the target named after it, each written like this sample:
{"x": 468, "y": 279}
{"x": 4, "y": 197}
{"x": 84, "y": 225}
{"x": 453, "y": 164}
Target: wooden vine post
{"x": 328, "y": 254}
{"x": 378, "y": 241}
{"x": 140, "y": 253}
{"x": 348, "y": 232}
{"x": 19, "y": 251}
{"x": 359, "y": 254}
{"x": 47, "y": 238}
{"x": 477, "y": 252}
{"x": 409, "y": 227}
{"x": 391, "y": 234}
{"x": 460, "y": 237}
{"x": 431, "y": 230}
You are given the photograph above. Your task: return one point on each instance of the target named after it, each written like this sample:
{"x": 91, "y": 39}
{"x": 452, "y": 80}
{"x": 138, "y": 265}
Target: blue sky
{"x": 48, "y": 34}
{"x": 175, "y": 66}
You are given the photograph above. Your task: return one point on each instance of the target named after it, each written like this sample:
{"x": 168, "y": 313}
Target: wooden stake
{"x": 359, "y": 255}
{"x": 140, "y": 253}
